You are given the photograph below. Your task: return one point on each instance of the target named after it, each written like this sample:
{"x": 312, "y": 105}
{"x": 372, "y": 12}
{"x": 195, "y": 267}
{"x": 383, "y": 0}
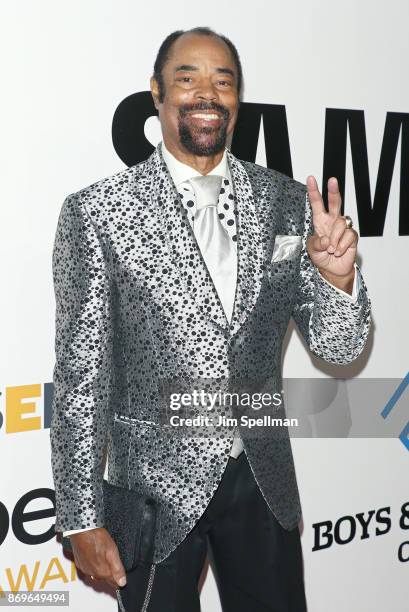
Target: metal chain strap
{"x": 120, "y": 602}
{"x": 147, "y": 594}
{"x": 149, "y": 589}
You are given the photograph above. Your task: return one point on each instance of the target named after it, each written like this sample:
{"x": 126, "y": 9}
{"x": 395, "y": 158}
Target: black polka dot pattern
{"x": 135, "y": 308}
{"x": 225, "y": 206}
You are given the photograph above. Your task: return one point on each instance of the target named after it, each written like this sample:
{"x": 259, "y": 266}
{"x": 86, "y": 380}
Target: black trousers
{"x": 257, "y": 563}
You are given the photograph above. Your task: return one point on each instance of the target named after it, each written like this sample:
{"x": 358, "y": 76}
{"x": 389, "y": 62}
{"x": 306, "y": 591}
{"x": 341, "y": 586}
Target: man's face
{"x": 200, "y": 105}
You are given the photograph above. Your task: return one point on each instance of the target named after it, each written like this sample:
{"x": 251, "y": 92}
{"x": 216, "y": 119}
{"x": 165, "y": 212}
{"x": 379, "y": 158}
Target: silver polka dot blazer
{"x": 136, "y": 308}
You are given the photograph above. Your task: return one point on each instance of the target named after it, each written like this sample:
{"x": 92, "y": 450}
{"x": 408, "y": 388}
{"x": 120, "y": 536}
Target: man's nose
{"x": 206, "y": 91}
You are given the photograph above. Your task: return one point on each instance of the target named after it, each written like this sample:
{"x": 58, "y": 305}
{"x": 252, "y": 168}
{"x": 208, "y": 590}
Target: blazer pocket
{"x": 286, "y": 247}
{"x": 135, "y": 422}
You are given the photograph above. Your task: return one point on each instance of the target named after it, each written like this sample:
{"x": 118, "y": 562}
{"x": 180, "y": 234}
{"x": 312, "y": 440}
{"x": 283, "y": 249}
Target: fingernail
{"x": 337, "y": 253}
{"x": 330, "y": 249}
{"x": 122, "y": 581}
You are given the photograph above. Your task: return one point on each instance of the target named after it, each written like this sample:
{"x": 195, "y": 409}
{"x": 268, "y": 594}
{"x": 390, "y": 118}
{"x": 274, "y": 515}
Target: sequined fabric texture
{"x": 135, "y": 306}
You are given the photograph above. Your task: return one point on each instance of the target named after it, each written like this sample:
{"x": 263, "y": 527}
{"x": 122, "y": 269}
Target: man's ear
{"x": 155, "y": 92}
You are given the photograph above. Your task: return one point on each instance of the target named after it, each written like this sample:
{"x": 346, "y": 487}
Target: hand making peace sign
{"x": 332, "y": 247}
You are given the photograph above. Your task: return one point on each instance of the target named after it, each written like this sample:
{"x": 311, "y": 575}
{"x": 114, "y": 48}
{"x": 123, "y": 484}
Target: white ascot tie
{"x": 218, "y": 251}
{"x": 215, "y": 244}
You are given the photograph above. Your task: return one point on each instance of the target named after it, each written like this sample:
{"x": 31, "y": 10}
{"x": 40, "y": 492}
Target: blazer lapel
{"x": 182, "y": 243}
{"x": 185, "y": 251}
{"x": 249, "y": 246}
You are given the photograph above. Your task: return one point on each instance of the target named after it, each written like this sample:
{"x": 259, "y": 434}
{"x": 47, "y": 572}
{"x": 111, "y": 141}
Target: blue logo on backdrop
{"x": 404, "y": 435}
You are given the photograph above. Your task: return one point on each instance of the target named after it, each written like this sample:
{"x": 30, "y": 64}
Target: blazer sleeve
{"x": 334, "y": 327}
{"x": 83, "y": 348}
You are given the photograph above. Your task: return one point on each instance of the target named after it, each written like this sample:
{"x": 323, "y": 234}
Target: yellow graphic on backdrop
{"x": 24, "y": 579}
{"x": 16, "y": 408}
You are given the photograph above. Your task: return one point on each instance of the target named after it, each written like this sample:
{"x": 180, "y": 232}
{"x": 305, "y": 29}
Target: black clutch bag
{"x": 130, "y": 519}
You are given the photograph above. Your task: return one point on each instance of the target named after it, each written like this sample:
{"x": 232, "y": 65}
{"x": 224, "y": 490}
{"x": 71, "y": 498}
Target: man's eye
{"x": 224, "y": 83}
{"x": 185, "y": 79}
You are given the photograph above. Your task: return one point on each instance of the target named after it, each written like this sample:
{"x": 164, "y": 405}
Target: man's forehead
{"x": 192, "y": 49}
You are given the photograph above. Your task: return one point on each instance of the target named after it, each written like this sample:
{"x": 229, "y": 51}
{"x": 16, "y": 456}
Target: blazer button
{"x": 235, "y": 342}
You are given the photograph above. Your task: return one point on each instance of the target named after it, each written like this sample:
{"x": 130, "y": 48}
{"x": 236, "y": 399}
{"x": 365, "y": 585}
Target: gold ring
{"x": 348, "y": 221}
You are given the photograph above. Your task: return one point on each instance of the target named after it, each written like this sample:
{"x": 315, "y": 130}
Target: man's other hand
{"x": 96, "y": 554}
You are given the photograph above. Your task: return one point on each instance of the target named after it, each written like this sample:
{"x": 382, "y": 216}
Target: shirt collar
{"x": 181, "y": 172}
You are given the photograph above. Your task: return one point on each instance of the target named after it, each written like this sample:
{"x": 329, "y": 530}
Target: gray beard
{"x": 202, "y": 149}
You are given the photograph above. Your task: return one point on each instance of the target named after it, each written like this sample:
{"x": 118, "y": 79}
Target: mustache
{"x": 204, "y": 106}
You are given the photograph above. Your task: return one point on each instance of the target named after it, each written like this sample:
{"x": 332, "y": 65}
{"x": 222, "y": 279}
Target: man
{"x": 189, "y": 266}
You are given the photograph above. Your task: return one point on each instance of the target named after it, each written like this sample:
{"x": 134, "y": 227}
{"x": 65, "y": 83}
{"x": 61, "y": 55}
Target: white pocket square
{"x": 286, "y": 247}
